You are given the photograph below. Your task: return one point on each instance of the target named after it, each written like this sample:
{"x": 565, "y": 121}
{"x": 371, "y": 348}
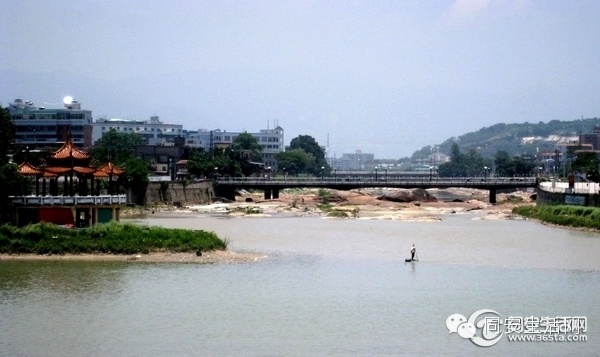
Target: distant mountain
{"x": 525, "y": 138}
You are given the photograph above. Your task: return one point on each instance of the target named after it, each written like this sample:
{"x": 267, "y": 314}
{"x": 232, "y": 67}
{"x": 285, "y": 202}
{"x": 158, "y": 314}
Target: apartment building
{"x": 271, "y": 141}
{"x": 38, "y": 127}
{"x": 154, "y": 131}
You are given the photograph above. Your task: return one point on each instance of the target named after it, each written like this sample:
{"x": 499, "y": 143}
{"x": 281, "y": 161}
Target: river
{"x": 326, "y": 287}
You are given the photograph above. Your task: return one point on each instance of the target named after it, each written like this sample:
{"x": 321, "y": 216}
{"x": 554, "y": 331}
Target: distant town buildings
{"x": 357, "y": 161}
{"x": 37, "y": 127}
{"x": 153, "y": 131}
{"x": 271, "y": 141}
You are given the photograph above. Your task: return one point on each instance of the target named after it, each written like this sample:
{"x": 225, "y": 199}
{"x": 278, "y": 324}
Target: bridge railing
{"x": 466, "y": 181}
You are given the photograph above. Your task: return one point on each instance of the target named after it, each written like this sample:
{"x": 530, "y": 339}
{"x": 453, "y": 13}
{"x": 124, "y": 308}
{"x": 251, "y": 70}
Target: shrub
{"x": 114, "y": 237}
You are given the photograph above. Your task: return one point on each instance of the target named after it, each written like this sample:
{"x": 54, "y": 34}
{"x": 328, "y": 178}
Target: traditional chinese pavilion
{"x": 67, "y": 190}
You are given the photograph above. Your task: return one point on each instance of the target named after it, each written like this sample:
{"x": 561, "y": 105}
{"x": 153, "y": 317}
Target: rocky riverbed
{"x": 377, "y": 204}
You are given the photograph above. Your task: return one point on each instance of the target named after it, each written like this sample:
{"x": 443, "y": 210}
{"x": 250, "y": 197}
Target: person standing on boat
{"x": 413, "y": 251}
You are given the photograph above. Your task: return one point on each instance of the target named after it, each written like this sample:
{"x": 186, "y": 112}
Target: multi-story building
{"x": 592, "y": 139}
{"x": 271, "y": 141}
{"x": 358, "y": 161}
{"x": 154, "y": 131}
{"x": 39, "y": 127}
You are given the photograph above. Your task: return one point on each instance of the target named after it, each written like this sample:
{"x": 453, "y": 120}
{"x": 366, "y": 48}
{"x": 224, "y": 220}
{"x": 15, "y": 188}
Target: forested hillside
{"x": 515, "y": 139}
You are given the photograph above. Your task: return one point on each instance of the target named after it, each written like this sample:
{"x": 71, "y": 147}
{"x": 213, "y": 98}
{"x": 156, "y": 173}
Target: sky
{"x": 383, "y": 77}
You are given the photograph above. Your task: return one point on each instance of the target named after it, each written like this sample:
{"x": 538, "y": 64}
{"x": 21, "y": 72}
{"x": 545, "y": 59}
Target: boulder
{"x": 408, "y": 195}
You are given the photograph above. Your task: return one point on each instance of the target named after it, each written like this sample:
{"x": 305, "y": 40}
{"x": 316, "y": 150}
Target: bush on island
{"x": 111, "y": 238}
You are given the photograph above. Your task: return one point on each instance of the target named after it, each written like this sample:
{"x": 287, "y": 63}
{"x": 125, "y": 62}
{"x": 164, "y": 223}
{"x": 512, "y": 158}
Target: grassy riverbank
{"x": 563, "y": 215}
{"x": 112, "y": 238}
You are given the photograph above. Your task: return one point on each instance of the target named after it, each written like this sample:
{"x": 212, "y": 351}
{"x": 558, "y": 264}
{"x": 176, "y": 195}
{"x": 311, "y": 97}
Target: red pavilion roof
{"x": 111, "y": 169}
{"x": 58, "y": 170}
{"x": 29, "y": 170}
{"x": 68, "y": 150}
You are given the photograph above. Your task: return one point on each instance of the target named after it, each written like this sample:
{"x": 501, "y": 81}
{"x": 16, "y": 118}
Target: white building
{"x": 154, "y": 131}
{"x": 271, "y": 141}
{"x": 39, "y": 127}
{"x": 357, "y": 161}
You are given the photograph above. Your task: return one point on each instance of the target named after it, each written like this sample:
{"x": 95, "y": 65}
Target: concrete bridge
{"x": 226, "y": 187}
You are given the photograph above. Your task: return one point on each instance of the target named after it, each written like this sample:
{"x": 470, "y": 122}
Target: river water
{"x": 326, "y": 288}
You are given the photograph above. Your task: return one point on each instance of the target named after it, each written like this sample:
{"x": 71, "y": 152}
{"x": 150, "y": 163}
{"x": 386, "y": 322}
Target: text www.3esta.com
{"x": 547, "y": 338}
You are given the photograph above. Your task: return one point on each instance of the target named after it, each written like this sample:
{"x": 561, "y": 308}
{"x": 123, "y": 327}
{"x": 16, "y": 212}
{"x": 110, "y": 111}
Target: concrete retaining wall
{"x": 178, "y": 192}
{"x": 558, "y": 198}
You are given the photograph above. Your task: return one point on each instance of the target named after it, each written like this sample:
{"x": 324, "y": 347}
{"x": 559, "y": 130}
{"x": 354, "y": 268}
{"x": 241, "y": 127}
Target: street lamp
{"x": 269, "y": 173}
{"x": 485, "y": 170}
{"x": 322, "y": 172}
{"x": 430, "y": 172}
{"x": 216, "y": 172}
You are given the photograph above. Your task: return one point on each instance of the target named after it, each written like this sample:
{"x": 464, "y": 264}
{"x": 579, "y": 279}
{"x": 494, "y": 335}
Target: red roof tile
{"x": 68, "y": 150}
{"x": 29, "y": 170}
{"x": 111, "y": 169}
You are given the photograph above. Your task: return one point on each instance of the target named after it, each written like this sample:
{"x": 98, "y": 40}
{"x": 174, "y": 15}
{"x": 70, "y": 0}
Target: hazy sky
{"x": 384, "y": 77}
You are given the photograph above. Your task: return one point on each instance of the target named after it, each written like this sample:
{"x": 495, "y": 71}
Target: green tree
{"x": 455, "y": 155}
{"x": 505, "y": 165}
{"x": 224, "y": 163}
{"x": 294, "y": 161}
{"x": 461, "y": 165}
{"x": 201, "y": 164}
{"x": 588, "y": 163}
{"x": 310, "y": 146}
{"x": 13, "y": 184}
{"x": 241, "y": 145}
{"x": 116, "y": 147}
{"x": 523, "y": 166}
{"x": 228, "y": 163}
{"x": 456, "y": 166}
{"x": 7, "y": 134}
{"x": 136, "y": 178}
{"x": 247, "y": 142}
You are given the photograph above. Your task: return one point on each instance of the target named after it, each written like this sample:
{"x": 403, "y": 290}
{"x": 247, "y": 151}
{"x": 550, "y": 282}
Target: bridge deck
{"x": 347, "y": 184}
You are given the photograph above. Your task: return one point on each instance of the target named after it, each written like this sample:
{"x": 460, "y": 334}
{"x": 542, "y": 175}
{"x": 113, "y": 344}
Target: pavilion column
{"x": 44, "y": 187}
{"x": 66, "y": 186}
{"x": 37, "y": 185}
{"x": 71, "y": 184}
{"x": 92, "y": 185}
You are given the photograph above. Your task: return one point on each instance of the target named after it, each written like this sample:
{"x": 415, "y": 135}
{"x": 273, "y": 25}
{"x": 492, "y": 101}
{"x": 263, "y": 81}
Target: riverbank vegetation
{"x": 111, "y": 238}
{"x": 572, "y": 216}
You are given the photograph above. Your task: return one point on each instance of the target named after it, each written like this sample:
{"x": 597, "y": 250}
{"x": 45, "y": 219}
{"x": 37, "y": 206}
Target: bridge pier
{"x": 492, "y": 195}
{"x": 226, "y": 192}
{"x": 271, "y": 193}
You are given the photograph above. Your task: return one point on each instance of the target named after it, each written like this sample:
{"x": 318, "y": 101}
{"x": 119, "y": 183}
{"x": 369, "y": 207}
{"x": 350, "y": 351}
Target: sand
{"x": 213, "y": 257}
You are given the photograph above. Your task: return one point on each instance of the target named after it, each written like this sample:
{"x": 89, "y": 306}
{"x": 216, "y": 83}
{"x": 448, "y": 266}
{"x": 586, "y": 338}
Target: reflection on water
{"x": 329, "y": 287}
{"x": 58, "y": 278}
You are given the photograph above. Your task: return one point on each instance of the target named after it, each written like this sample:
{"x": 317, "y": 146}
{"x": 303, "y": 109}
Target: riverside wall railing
{"x": 578, "y": 187}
